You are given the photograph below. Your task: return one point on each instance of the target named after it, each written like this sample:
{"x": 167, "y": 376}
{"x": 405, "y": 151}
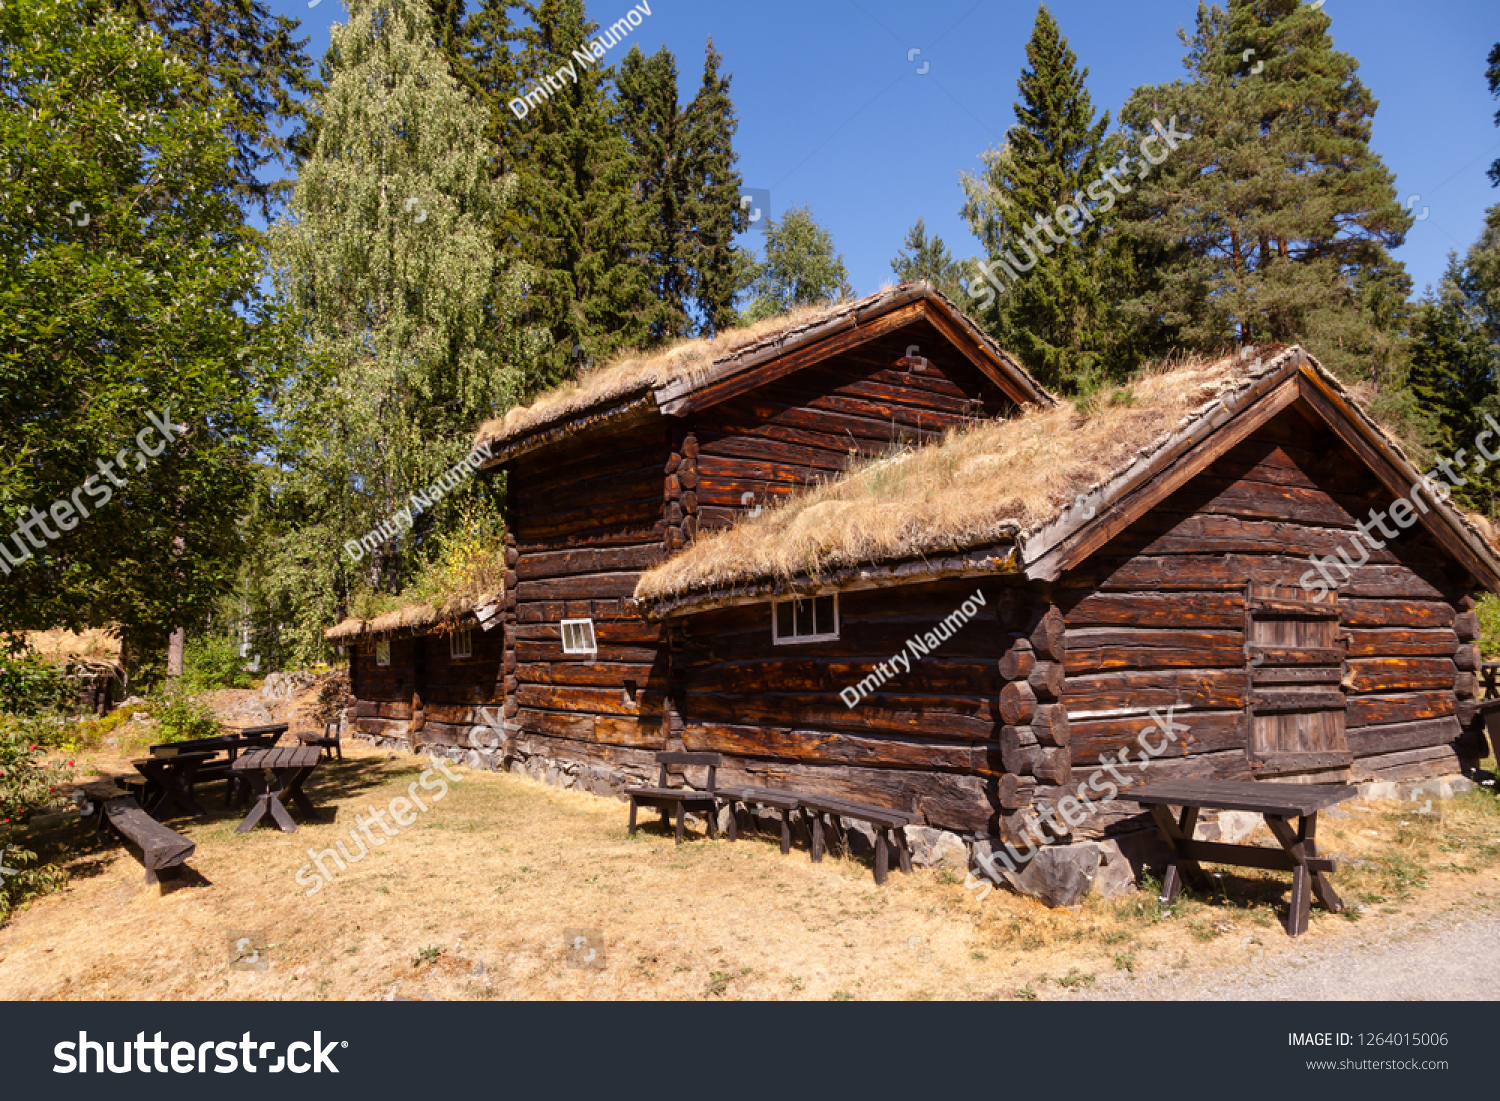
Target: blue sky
{"x": 834, "y": 116}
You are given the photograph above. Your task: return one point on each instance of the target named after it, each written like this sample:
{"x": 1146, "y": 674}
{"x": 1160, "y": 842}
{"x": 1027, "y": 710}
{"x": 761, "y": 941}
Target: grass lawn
{"x": 478, "y": 897}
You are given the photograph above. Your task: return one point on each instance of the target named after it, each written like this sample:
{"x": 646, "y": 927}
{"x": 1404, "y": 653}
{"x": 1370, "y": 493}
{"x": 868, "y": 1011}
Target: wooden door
{"x": 1295, "y": 657}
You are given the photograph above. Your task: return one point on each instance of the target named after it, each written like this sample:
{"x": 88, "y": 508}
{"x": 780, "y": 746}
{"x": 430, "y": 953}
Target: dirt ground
{"x": 507, "y": 888}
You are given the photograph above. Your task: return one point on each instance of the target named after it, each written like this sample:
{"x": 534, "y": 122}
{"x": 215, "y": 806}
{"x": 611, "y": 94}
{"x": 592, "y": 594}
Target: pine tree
{"x": 237, "y": 50}
{"x": 926, "y": 258}
{"x": 713, "y": 211}
{"x": 654, "y": 128}
{"x": 800, "y": 268}
{"x": 1493, "y": 75}
{"x": 492, "y": 74}
{"x": 389, "y": 268}
{"x": 1054, "y": 311}
{"x": 1273, "y": 223}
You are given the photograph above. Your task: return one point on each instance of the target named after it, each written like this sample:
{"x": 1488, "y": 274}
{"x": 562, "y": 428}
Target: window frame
{"x": 467, "y": 635}
{"x": 383, "y": 653}
{"x": 795, "y": 639}
{"x": 572, "y": 650}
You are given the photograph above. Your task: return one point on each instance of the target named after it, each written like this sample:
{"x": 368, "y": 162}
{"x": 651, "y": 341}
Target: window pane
{"x": 567, "y": 635}
{"x": 823, "y": 607}
{"x": 804, "y": 618}
{"x": 586, "y": 629}
{"x": 784, "y": 621}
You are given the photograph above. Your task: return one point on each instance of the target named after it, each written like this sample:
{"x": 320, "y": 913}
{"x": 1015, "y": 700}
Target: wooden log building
{"x": 861, "y": 553}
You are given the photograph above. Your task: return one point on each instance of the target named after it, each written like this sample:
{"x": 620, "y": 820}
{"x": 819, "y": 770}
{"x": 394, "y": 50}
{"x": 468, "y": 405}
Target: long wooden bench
{"x": 162, "y": 850}
{"x": 784, "y": 801}
{"x": 883, "y": 819}
{"x": 666, "y": 798}
{"x": 328, "y": 741}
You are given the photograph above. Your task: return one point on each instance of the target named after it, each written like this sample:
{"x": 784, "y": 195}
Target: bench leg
{"x": 631, "y": 832}
{"x": 903, "y": 853}
{"x": 679, "y": 823}
{"x": 880, "y": 857}
{"x": 734, "y": 823}
{"x": 786, "y": 832}
{"x": 817, "y": 837}
{"x": 713, "y": 822}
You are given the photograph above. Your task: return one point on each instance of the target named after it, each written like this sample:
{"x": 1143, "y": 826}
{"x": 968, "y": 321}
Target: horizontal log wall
{"x": 799, "y": 430}
{"x": 584, "y": 520}
{"x": 1156, "y": 618}
{"x": 924, "y": 740}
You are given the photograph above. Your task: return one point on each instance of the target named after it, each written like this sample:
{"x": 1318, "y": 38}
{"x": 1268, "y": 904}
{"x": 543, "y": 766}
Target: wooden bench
{"x": 666, "y": 798}
{"x": 883, "y": 819}
{"x": 784, "y": 801}
{"x": 1278, "y": 803}
{"x": 328, "y": 741}
{"x": 163, "y": 851}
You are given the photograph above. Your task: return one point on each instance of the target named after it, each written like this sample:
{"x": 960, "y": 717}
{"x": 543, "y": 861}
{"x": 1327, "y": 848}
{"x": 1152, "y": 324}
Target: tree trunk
{"x": 174, "y": 652}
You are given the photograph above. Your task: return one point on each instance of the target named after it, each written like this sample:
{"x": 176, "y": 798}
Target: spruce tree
{"x": 248, "y": 63}
{"x": 581, "y": 226}
{"x": 1273, "y": 223}
{"x": 713, "y": 211}
{"x": 492, "y": 74}
{"x": 1054, "y": 311}
{"x": 1493, "y": 75}
{"x": 921, "y": 257}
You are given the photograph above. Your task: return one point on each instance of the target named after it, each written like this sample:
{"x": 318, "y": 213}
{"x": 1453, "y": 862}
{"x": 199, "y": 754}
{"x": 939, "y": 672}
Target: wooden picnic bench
{"x": 170, "y": 778}
{"x": 784, "y": 801}
{"x": 883, "y": 819}
{"x": 667, "y": 798}
{"x": 1487, "y": 673}
{"x": 273, "y": 774}
{"x": 163, "y": 851}
{"x": 328, "y": 740}
{"x": 1278, "y": 803}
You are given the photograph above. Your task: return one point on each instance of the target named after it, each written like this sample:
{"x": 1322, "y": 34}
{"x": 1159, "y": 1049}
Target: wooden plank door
{"x": 1295, "y": 658}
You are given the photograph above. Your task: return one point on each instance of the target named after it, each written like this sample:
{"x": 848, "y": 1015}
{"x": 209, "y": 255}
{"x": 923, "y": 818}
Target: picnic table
{"x": 1278, "y": 803}
{"x": 170, "y": 779}
{"x": 1487, "y": 674}
{"x": 274, "y": 774}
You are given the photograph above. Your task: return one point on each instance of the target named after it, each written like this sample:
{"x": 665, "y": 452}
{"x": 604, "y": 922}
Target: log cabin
{"x": 974, "y": 629}
{"x": 609, "y": 476}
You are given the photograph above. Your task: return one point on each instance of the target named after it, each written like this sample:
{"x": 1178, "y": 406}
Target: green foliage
{"x": 921, "y": 257}
{"x": 125, "y": 274}
{"x": 211, "y": 662}
{"x": 182, "y": 715}
{"x": 1488, "y": 609}
{"x": 1273, "y": 224}
{"x": 30, "y": 685}
{"x": 27, "y": 782}
{"x": 468, "y": 559}
{"x": 800, "y": 268}
{"x": 404, "y": 314}
{"x": 1057, "y": 314}
{"x": 30, "y": 881}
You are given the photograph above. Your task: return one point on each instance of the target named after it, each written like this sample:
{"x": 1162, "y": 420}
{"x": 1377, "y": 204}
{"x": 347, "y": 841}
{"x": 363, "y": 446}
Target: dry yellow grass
{"x": 475, "y": 899}
{"x": 986, "y": 483}
{"x": 635, "y": 372}
{"x": 415, "y": 616}
{"x": 90, "y": 645}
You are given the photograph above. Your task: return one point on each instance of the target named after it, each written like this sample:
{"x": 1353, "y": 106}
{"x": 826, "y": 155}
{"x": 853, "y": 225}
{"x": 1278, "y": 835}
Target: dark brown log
{"x": 1017, "y": 703}
{"x": 1053, "y": 765}
{"x": 1142, "y": 690}
{"x": 1372, "y": 740}
{"x": 1049, "y": 638}
{"x": 1407, "y": 707}
{"x": 1018, "y": 660}
{"x": 1466, "y": 626}
{"x": 512, "y": 556}
{"x": 1016, "y": 791}
{"x": 1047, "y": 680}
{"x": 1467, "y": 658}
{"x": 1399, "y": 674}
{"x": 1018, "y": 746}
{"x": 1099, "y": 650}
{"x": 1050, "y": 725}
{"x": 1402, "y": 643}
{"x": 1466, "y": 685}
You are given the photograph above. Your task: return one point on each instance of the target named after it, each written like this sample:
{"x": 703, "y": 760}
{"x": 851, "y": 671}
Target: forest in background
{"x": 312, "y": 280}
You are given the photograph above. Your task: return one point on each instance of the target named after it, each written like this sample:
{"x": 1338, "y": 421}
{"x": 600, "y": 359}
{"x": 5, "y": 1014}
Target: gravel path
{"x": 1444, "y": 959}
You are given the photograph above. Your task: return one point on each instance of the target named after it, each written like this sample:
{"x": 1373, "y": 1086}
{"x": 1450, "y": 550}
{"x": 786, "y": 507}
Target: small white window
{"x": 808, "y": 619}
{"x": 578, "y": 637}
{"x": 382, "y": 653}
{"x": 461, "y": 644}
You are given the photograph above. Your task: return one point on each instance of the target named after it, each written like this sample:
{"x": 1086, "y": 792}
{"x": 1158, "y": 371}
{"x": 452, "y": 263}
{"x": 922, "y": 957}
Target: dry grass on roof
{"x": 636, "y": 372}
{"x": 983, "y": 484}
{"x": 61, "y": 646}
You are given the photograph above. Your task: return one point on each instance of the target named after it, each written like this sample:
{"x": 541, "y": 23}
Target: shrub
{"x": 1488, "y": 608}
{"x": 27, "y": 785}
{"x": 29, "y": 684}
{"x": 182, "y": 715}
{"x": 211, "y": 663}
